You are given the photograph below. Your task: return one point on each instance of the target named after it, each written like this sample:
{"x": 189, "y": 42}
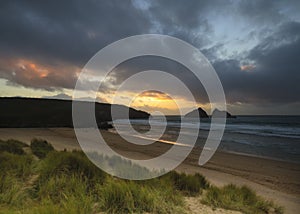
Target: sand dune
{"x": 273, "y": 179}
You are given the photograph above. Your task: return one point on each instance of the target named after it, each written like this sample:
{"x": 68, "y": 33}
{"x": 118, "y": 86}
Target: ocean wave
{"x": 259, "y": 129}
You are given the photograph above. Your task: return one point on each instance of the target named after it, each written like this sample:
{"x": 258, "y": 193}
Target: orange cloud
{"x": 31, "y": 69}
{"x": 247, "y": 67}
{"x": 34, "y": 74}
{"x": 157, "y": 95}
{"x": 155, "y": 101}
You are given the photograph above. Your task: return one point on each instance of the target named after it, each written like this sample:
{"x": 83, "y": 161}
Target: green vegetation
{"x": 128, "y": 197}
{"x": 239, "y": 198}
{"x": 15, "y": 170}
{"x": 188, "y": 184}
{"x": 12, "y": 146}
{"x": 40, "y": 148}
{"x": 67, "y": 182}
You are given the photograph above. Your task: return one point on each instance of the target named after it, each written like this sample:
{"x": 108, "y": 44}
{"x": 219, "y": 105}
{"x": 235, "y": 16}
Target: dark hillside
{"x": 35, "y": 112}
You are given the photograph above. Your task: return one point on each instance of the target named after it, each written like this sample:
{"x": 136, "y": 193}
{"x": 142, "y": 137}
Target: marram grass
{"x": 48, "y": 181}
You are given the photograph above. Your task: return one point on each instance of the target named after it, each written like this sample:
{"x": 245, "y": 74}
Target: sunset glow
{"x": 258, "y": 43}
{"x": 247, "y": 67}
{"x": 31, "y": 69}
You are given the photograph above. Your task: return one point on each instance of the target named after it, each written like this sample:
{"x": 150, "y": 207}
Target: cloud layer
{"x": 253, "y": 45}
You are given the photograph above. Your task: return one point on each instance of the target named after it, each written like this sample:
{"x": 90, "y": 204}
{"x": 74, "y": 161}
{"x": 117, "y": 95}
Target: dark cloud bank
{"x": 60, "y": 37}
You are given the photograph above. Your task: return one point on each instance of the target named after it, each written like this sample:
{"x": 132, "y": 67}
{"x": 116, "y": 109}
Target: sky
{"x": 254, "y": 46}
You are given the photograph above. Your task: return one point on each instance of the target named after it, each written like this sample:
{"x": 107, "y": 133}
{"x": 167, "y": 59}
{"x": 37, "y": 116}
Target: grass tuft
{"x": 240, "y": 199}
{"x": 70, "y": 164}
{"x": 18, "y": 165}
{"x": 15, "y": 171}
{"x": 188, "y": 184}
{"x": 11, "y": 191}
{"x": 120, "y": 196}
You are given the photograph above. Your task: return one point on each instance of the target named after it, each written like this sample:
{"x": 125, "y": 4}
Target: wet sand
{"x": 272, "y": 179}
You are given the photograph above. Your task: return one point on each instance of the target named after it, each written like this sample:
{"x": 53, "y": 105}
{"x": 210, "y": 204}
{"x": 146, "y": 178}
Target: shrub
{"x": 12, "y": 146}
{"x": 238, "y": 198}
{"x": 40, "y": 148}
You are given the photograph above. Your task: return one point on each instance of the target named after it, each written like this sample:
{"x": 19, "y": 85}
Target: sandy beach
{"x": 272, "y": 179}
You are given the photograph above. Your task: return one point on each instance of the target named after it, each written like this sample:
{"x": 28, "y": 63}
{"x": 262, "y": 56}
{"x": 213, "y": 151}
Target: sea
{"x": 273, "y": 137}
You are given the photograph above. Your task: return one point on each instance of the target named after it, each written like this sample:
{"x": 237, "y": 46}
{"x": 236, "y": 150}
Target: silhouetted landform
{"x": 217, "y": 113}
{"x": 197, "y": 113}
{"x": 35, "y": 112}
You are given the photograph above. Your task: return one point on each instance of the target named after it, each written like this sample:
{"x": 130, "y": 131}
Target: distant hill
{"x": 218, "y": 113}
{"x": 196, "y": 113}
{"x": 35, "y": 112}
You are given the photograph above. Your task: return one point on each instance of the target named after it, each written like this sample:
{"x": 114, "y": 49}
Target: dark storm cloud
{"x": 187, "y": 15}
{"x": 274, "y": 75}
{"x": 261, "y": 12}
{"x": 187, "y": 21}
{"x": 67, "y": 30}
{"x": 267, "y": 73}
{"x": 61, "y": 36}
{"x": 193, "y": 20}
